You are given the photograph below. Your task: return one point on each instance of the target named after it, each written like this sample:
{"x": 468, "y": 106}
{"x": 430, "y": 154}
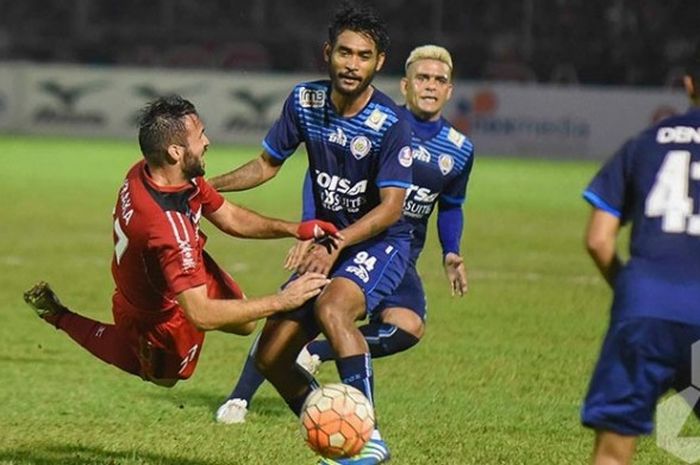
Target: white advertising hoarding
{"x": 502, "y": 119}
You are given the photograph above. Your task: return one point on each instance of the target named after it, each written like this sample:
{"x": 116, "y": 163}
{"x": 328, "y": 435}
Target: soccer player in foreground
{"x": 360, "y": 163}
{"x": 653, "y": 183}
{"x": 442, "y": 162}
{"x": 169, "y": 291}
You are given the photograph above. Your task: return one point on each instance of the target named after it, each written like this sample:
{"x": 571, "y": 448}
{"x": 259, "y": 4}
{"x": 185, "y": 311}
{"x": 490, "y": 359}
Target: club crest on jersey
{"x": 406, "y": 157}
{"x": 420, "y": 153}
{"x": 338, "y": 137}
{"x": 360, "y": 146}
{"x": 376, "y": 119}
{"x": 456, "y": 137}
{"x": 445, "y": 162}
{"x": 311, "y": 98}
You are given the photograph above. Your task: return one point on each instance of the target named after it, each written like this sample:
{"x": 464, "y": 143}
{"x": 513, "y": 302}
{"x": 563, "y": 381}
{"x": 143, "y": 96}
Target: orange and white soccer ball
{"x": 337, "y": 420}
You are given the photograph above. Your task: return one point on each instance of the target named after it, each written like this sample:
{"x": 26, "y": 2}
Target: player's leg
{"x": 104, "y": 341}
{"x": 235, "y": 408}
{"x": 637, "y": 365}
{"x": 613, "y": 449}
{"x": 367, "y": 274}
{"x": 397, "y": 324}
{"x": 281, "y": 340}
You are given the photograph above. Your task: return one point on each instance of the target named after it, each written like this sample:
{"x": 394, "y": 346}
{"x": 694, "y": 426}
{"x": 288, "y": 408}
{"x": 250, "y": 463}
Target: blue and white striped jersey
{"x": 442, "y": 161}
{"x": 350, "y": 159}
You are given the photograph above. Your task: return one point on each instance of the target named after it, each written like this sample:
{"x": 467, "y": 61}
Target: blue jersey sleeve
{"x": 450, "y": 223}
{"x": 308, "y": 211}
{"x": 396, "y": 157}
{"x": 609, "y": 189}
{"x": 285, "y": 135}
{"x": 455, "y": 192}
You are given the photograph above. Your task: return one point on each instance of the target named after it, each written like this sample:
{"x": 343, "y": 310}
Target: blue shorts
{"x": 641, "y": 359}
{"x": 409, "y": 294}
{"x": 377, "y": 266}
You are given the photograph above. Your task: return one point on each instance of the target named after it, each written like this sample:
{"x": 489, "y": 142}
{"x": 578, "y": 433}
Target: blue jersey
{"x": 653, "y": 181}
{"x": 350, "y": 159}
{"x": 442, "y": 162}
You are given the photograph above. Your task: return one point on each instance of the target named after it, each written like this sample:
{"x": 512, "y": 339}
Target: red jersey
{"x": 158, "y": 248}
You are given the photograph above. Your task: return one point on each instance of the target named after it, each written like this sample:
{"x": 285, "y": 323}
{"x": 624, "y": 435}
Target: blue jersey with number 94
{"x": 653, "y": 181}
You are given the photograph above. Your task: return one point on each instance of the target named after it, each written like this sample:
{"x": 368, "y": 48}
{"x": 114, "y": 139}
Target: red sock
{"x": 104, "y": 341}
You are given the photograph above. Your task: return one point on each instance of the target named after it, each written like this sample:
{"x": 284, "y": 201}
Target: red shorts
{"x": 166, "y": 343}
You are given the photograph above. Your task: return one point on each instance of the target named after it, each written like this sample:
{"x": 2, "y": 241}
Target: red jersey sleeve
{"x": 211, "y": 199}
{"x": 176, "y": 245}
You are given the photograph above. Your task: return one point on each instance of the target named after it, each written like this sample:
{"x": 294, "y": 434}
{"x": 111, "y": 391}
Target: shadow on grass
{"x": 262, "y": 405}
{"x": 83, "y": 455}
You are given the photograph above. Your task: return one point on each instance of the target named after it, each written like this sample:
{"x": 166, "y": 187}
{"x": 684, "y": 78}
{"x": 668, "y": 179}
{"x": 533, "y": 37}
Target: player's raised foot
{"x": 374, "y": 452}
{"x": 232, "y": 411}
{"x": 45, "y": 302}
{"x": 309, "y": 362}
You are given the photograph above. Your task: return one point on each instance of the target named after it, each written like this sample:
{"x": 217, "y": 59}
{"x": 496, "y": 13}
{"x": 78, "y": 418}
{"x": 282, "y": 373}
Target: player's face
{"x": 197, "y": 143}
{"x": 427, "y": 88}
{"x": 352, "y": 62}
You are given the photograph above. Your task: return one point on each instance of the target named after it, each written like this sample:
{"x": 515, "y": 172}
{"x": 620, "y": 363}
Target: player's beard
{"x": 192, "y": 166}
{"x": 361, "y": 86}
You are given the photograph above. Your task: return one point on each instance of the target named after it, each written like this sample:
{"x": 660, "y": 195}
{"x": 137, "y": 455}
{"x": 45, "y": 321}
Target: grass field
{"x": 498, "y": 378}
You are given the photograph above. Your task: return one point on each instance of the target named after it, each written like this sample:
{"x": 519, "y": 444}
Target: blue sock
{"x": 250, "y": 379}
{"x": 356, "y": 371}
{"x": 322, "y": 348}
{"x": 383, "y": 339}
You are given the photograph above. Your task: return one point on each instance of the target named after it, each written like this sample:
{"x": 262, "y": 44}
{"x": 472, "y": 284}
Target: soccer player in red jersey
{"x": 169, "y": 291}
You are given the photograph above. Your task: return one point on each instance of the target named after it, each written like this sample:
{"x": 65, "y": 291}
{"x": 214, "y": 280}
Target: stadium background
{"x": 498, "y": 378}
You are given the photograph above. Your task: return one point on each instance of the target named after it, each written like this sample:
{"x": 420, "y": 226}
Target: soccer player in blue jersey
{"x": 652, "y": 182}
{"x": 442, "y": 163}
{"x": 359, "y": 152}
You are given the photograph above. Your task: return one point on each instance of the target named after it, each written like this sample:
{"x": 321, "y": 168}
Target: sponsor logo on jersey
{"x": 340, "y": 193}
{"x": 419, "y": 201}
{"x": 311, "y": 98}
{"x": 406, "y": 157}
{"x": 338, "y": 137}
{"x": 456, "y": 137}
{"x": 359, "y": 271}
{"x": 678, "y": 135}
{"x": 360, "y": 147}
{"x": 420, "y": 153}
{"x": 446, "y": 163}
{"x": 376, "y": 119}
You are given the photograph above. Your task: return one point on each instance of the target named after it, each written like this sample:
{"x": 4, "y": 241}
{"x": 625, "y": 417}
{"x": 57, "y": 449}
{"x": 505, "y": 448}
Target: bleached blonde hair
{"x": 429, "y": 52}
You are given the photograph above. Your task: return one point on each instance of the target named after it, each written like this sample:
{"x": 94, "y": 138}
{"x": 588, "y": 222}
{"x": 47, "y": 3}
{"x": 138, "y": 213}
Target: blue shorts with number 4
{"x": 641, "y": 359}
{"x": 376, "y": 266}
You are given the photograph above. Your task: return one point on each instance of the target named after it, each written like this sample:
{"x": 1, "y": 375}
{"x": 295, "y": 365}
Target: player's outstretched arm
{"x": 252, "y": 174}
{"x": 601, "y": 241}
{"x": 241, "y": 222}
{"x": 210, "y": 314}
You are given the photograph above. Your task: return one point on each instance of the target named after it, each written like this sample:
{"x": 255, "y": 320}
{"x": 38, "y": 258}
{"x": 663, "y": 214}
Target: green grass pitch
{"x": 498, "y": 378}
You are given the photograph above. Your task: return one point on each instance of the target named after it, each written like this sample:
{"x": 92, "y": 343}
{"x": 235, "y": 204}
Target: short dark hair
{"x": 361, "y": 19}
{"x": 161, "y": 124}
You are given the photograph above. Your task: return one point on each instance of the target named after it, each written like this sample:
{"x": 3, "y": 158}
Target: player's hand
{"x": 318, "y": 230}
{"x": 296, "y": 254}
{"x": 319, "y": 259}
{"x": 456, "y": 274}
{"x": 300, "y": 290}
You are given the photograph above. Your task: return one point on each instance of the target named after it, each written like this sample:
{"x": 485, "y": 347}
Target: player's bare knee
{"x": 406, "y": 320}
{"x": 332, "y": 319}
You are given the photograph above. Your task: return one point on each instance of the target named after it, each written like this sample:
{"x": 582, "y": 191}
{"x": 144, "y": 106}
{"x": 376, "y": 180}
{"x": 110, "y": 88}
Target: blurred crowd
{"x": 622, "y": 42}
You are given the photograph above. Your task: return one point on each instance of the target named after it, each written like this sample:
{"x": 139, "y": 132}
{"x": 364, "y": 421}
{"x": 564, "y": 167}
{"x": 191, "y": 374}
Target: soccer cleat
{"x": 308, "y": 362}
{"x": 374, "y": 452}
{"x": 232, "y": 411}
{"x": 45, "y": 302}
